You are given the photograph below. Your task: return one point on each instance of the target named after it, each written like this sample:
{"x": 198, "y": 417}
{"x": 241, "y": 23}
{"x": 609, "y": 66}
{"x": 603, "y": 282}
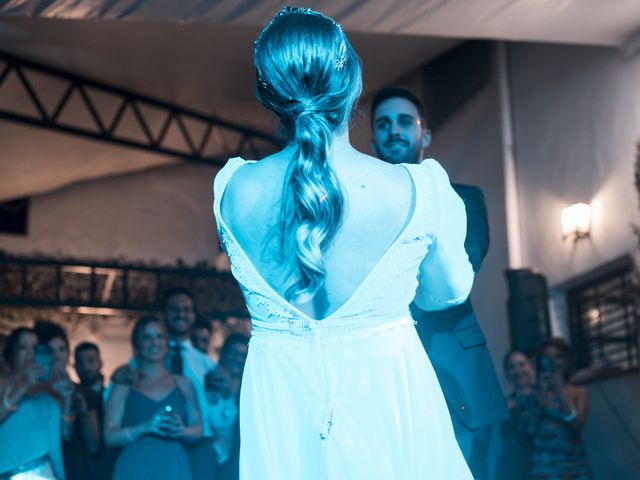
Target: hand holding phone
{"x": 44, "y": 358}
{"x": 32, "y": 375}
{"x": 161, "y": 423}
{"x": 65, "y": 387}
{"x": 175, "y": 425}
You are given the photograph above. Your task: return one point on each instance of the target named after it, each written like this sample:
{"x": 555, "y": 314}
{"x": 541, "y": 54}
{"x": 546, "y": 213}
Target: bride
{"x": 330, "y": 246}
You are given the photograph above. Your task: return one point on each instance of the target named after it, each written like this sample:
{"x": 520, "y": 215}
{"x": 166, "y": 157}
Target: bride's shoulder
{"x": 375, "y": 166}
{"x": 389, "y": 181}
{"x": 389, "y": 173}
{"x": 249, "y": 181}
{"x": 432, "y": 166}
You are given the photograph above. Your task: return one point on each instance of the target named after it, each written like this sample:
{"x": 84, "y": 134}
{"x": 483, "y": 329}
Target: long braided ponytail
{"x": 309, "y": 75}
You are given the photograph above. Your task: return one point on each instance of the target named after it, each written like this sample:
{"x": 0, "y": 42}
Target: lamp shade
{"x": 576, "y": 221}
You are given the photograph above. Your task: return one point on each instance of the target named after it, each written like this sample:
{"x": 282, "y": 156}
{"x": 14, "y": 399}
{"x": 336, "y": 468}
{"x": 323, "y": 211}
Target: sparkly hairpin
{"x": 261, "y": 80}
{"x": 343, "y": 53}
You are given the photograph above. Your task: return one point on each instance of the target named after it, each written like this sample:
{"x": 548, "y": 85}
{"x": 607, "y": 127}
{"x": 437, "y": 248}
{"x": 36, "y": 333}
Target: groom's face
{"x": 399, "y": 135}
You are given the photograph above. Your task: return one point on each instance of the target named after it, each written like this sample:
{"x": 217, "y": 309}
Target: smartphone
{"x": 44, "y": 356}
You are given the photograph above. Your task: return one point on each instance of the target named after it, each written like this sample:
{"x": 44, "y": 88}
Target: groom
{"x": 452, "y": 338}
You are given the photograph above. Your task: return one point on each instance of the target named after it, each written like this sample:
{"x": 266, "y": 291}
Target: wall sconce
{"x": 576, "y": 221}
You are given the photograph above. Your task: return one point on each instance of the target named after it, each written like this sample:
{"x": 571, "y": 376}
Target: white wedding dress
{"x": 352, "y": 396}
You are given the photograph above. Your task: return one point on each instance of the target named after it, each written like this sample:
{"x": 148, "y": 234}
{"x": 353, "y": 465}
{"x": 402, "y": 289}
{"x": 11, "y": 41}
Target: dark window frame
{"x": 604, "y": 319}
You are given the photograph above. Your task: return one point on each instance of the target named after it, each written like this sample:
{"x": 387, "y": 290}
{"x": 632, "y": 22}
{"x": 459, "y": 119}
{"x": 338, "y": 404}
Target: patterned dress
{"x": 558, "y": 449}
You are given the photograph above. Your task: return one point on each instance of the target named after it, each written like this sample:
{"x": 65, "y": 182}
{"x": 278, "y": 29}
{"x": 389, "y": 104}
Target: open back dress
{"x": 353, "y": 395}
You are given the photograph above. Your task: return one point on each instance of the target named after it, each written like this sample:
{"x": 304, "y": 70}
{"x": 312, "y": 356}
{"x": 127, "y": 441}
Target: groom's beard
{"x": 400, "y": 151}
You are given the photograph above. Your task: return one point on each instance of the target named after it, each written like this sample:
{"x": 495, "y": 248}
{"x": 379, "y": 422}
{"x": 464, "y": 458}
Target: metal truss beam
{"x": 195, "y": 134}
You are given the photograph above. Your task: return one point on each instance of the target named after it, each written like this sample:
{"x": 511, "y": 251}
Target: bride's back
{"x": 315, "y": 218}
{"x": 378, "y": 203}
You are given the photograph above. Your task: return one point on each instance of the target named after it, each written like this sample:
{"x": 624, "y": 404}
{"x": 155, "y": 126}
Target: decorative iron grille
{"x": 604, "y": 318}
{"x": 32, "y": 282}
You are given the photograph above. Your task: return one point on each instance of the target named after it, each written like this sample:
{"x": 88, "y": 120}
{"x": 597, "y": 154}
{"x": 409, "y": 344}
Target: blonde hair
{"x": 310, "y": 77}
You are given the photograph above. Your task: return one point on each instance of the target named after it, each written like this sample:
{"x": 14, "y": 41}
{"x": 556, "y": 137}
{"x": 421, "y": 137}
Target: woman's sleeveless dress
{"x": 352, "y": 396}
{"x": 151, "y": 456}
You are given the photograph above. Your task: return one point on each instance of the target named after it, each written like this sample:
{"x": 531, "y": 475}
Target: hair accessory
{"x": 342, "y": 59}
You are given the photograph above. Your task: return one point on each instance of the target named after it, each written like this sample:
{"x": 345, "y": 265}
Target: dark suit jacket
{"x": 455, "y": 342}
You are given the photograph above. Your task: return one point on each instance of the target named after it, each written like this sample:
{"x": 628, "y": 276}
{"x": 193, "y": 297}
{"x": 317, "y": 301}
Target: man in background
{"x": 86, "y": 457}
{"x": 201, "y": 334}
{"x": 452, "y": 338}
{"x": 233, "y": 357}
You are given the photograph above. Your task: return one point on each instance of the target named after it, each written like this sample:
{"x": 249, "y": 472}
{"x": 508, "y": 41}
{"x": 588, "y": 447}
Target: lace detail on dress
{"x": 362, "y": 381}
{"x": 384, "y": 294}
{"x": 309, "y": 333}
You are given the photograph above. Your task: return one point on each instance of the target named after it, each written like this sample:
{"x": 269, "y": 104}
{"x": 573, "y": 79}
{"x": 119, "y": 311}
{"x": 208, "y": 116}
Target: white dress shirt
{"x": 196, "y": 365}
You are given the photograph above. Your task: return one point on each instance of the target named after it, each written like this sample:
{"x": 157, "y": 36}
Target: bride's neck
{"x": 340, "y": 146}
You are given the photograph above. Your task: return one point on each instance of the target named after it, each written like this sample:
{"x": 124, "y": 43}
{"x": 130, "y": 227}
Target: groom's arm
{"x": 477, "y": 241}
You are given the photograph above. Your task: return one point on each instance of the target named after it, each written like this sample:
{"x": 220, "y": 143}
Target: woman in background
{"x": 152, "y": 417}
{"x": 559, "y": 416}
{"x": 77, "y": 420}
{"x": 516, "y": 458}
{"x": 31, "y": 417}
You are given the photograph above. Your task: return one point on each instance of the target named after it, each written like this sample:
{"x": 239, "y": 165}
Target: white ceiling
{"x": 208, "y": 69}
{"x": 198, "y": 55}
{"x": 602, "y": 22}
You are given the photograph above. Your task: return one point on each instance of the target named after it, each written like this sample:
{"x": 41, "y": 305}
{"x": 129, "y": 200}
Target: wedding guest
{"x": 55, "y": 338}
{"x": 201, "y": 334}
{"x": 152, "y": 417}
{"x": 183, "y": 358}
{"x": 516, "y": 458}
{"x": 559, "y": 417}
{"x": 86, "y": 456}
{"x": 31, "y": 419}
{"x": 233, "y": 356}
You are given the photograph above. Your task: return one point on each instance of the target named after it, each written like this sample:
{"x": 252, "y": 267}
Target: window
{"x": 604, "y": 319}
{"x": 14, "y": 216}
